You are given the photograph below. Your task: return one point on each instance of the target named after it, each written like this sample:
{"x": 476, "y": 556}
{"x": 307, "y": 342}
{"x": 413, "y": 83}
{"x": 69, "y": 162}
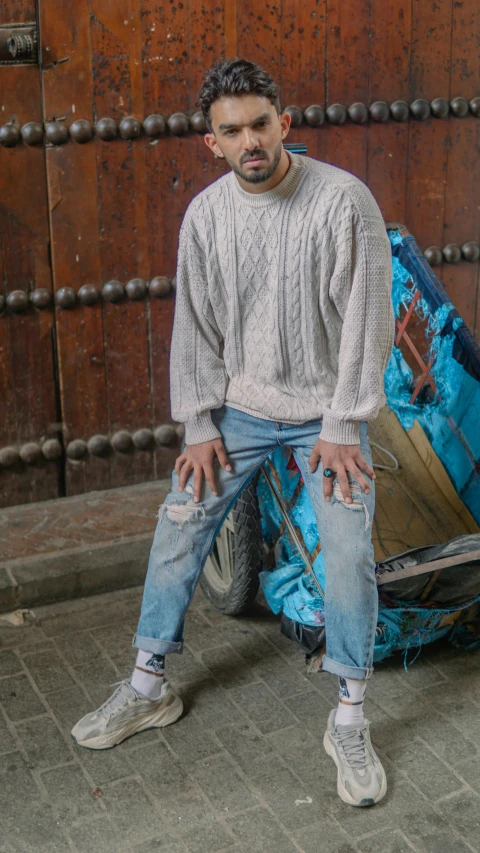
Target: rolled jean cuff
{"x": 157, "y": 647}
{"x": 360, "y": 672}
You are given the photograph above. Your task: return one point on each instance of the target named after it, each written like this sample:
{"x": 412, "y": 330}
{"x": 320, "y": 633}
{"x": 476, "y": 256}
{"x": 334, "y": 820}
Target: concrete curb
{"x": 71, "y": 572}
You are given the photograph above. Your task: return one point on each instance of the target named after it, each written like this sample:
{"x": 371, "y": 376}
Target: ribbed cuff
{"x": 200, "y": 429}
{"x": 340, "y": 432}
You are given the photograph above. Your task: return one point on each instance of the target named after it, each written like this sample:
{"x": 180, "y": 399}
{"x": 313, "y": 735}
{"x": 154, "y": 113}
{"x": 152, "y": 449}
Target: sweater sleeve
{"x": 198, "y": 377}
{"x": 360, "y": 288}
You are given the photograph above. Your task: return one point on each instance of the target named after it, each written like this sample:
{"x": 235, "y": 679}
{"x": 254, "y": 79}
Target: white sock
{"x": 350, "y": 707}
{"x": 149, "y": 674}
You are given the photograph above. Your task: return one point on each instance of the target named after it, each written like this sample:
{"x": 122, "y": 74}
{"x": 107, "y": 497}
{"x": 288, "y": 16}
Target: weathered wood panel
{"x": 27, "y": 387}
{"x": 462, "y": 194}
{"x": 75, "y": 246}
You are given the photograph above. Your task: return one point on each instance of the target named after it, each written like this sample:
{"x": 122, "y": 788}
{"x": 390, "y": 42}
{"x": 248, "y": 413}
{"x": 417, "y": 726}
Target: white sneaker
{"x": 125, "y": 714}
{"x": 361, "y": 779}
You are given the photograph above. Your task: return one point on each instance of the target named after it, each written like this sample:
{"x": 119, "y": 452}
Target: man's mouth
{"x": 255, "y": 160}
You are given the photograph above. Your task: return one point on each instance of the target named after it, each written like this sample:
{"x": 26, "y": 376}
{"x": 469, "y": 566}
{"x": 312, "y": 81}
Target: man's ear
{"x": 211, "y": 142}
{"x": 285, "y": 122}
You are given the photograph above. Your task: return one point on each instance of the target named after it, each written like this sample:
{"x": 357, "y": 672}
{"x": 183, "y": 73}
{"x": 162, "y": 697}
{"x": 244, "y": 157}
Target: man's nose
{"x": 250, "y": 140}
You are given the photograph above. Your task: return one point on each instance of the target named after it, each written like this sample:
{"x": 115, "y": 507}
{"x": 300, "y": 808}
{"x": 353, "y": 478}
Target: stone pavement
{"x": 244, "y": 769}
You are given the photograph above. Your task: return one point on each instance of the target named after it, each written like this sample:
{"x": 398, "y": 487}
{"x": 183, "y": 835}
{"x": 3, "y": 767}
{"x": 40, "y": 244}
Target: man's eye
{"x": 229, "y": 132}
{"x": 261, "y": 124}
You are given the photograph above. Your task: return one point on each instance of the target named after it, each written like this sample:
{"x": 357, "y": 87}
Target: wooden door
{"x": 30, "y": 428}
{"x": 122, "y": 154}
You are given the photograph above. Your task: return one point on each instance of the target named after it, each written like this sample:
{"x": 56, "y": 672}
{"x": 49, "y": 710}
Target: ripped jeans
{"x": 186, "y": 532}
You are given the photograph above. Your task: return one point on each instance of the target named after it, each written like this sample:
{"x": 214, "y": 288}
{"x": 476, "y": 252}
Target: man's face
{"x": 248, "y": 133}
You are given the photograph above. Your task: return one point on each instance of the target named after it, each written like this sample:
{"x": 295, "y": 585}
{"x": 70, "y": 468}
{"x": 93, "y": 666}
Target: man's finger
{"x": 210, "y": 478}
{"x": 344, "y": 485}
{"x": 178, "y": 463}
{"x": 197, "y": 482}
{"x": 223, "y": 458}
{"x": 360, "y": 478}
{"x": 363, "y": 464}
{"x": 184, "y": 475}
{"x": 328, "y": 487}
{"x": 313, "y": 461}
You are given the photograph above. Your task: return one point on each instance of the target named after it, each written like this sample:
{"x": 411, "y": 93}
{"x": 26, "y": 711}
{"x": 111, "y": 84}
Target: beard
{"x": 259, "y": 174}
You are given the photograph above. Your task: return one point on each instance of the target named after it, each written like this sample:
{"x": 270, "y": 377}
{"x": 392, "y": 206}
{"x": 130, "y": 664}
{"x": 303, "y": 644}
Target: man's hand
{"x": 341, "y": 458}
{"x": 199, "y": 457}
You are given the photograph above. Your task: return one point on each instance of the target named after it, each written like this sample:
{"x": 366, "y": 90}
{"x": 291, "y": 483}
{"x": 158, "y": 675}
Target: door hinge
{"x": 18, "y": 44}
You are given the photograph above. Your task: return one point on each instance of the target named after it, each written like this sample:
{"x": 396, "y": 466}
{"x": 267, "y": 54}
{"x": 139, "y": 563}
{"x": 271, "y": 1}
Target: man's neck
{"x": 278, "y": 176}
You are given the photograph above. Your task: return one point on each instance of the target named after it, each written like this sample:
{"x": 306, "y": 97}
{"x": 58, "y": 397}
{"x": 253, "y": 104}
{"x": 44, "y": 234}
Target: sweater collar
{"x": 284, "y": 189}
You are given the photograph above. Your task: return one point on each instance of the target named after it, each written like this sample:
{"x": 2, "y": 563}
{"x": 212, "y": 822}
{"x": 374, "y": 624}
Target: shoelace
{"x": 118, "y": 700}
{"x": 354, "y": 747}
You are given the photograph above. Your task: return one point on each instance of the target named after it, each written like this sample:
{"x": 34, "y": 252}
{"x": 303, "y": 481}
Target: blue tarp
{"x": 452, "y": 423}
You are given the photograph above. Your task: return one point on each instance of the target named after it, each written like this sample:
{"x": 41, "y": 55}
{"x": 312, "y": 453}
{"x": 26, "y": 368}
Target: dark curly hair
{"x": 235, "y": 77}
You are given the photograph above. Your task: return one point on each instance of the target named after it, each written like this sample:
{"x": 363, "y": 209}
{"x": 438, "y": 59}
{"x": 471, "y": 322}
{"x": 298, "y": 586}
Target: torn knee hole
{"x": 182, "y": 512}
{"x": 356, "y": 500}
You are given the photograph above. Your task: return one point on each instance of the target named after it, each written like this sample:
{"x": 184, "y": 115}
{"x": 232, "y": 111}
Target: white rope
{"x": 394, "y": 467}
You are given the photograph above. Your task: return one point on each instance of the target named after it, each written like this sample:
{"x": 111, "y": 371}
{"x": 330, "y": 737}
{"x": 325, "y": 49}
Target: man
{"x": 282, "y": 331}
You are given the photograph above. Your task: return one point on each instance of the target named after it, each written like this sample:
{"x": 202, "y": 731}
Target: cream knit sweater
{"x": 283, "y": 303}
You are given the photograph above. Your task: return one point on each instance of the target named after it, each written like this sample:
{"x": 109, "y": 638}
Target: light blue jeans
{"x": 186, "y": 532}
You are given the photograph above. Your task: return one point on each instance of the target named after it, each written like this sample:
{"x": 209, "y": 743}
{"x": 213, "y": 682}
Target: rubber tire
{"x": 248, "y": 557}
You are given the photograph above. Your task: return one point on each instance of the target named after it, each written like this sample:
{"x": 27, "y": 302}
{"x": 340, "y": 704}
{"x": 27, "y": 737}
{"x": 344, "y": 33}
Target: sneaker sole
{"x": 341, "y": 790}
{"x": 169, "y": 713}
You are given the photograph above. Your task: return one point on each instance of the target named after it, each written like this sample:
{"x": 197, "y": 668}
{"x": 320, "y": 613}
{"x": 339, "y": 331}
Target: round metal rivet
{"x": 420, "y": 109}
{"x": 400, "y": 110}
{"x": 66, "y": 297}
{"x": 199, "y": 125}
{"x": 98, "y": 445}
{"x": 434, "y": 255}
{"x": 143, "y": 439}
{"x": 475, "y": 106}
{"x": 77, "y": 449}
{"x": 52, "y": 448}
{"x": 358, "y": 113}
{"x": 122, "y": 441}
{"x": 440, "y": 107}
{"x": 10, "y": 135}
{"x": 113, "y": 291}
{"x": 459, "y": 107}
{"x": 296, "y": 115}
{"x": 106, "y": 129}
{"x": 9, "y": 456}
{"x": 165, "y": 435}
{"x": 379, "y": 111}
{"x": 154, "y": 126}
{"x": 81, "y": 130}
{"x": 337, "y": 114}
{"x": 17, "y": 301}
{"x": 32, "y": 133}
{"x": 56, "y": 132}
{"x": 136, "y": 289}
{"x": 178, "y": 124}
{"x": 41, "y": 297}
{"x": 314, "y": 115}
{"x": 88, "y": 294}
{"x": 471, "y": 251}
{"x": 130, "y": 128}
{"x": 30, "y": 453}
{"x": 452, "y": 253}
{"x": 160, "y": 286}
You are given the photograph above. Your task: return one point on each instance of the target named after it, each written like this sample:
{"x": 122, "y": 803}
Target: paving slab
{"x": 244, "y": 770}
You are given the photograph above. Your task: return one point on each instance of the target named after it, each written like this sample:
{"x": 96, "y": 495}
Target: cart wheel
{"x": 230, "y": 576}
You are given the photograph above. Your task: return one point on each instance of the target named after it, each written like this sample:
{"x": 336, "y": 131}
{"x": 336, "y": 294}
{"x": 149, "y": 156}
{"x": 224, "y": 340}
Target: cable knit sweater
{"x": 283, "y": 303}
